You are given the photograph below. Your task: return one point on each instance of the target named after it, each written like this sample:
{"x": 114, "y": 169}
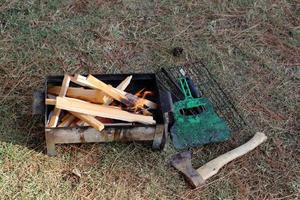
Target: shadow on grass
{"x": 18, "y": 126}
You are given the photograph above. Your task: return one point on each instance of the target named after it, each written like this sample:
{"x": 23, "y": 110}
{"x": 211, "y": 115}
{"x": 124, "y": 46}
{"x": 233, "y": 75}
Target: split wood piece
{"x": 67, "y": 120}
{"x": 54, "y": 118}
{"x": 122, "y": 86}
{"x": 94, "y": 96}
{"x": 140, "y": 101}
{"x": 92, "y": 121}
{"x": 107, "y": 100}
{"x": 97, "y": 84}
{"x": 74, "y": 123}
{"x": 122, "y": 96}
{"x": 81, "y": 123}
{"x": 50, "y": 102}
{"x": 81, "y": 80}
{"x": 50, "y": 96}
{"x": 79, "y": 106}
{"x": 66, "y": 116}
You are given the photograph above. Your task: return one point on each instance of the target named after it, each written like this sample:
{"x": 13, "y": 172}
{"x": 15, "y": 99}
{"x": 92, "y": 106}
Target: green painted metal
{"x": 196, "y": 122}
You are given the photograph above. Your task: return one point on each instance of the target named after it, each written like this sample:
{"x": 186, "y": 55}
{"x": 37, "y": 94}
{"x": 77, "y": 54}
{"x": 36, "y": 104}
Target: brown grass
{"x": 251, "y": 46}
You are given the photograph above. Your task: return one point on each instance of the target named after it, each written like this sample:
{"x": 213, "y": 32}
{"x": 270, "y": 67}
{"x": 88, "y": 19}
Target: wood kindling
{"x": 67, "y": 120}
{"x": 94, "y": 96}
{"x": 91, "y": 120}
{"x": 107, "y": 100}
{"x": 119, "y": 95}
{"x": 56, "y": 112}
{"x": 50, "y": 102}
{"x": 79, "y": 106}
{"x": 122, "y": 86}
{"x": 85, "y": 105}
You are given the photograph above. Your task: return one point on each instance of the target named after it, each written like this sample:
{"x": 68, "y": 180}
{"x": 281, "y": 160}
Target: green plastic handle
{"x": 185, "y": 88}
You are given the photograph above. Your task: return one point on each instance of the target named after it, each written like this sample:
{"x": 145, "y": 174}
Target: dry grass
{"x": 252, "y": 46}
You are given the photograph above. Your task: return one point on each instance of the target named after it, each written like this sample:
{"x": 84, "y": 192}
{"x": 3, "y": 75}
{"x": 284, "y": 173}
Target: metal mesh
{"x": 208, "y": 86}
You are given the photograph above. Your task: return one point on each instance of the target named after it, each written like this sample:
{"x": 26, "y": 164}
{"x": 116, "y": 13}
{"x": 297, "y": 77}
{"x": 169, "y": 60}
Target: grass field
{"x": 253, "y": 47}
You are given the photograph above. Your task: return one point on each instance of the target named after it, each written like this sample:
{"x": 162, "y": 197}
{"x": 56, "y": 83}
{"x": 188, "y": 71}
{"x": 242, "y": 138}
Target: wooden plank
{"x": 94, "y": 96}
{"x": 76, "y": 105}
{"x": 92, "y": 121}
{"x": 54, "y": 118}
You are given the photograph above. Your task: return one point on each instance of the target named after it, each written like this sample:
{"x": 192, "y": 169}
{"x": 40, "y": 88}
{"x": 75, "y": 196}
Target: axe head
{"x": 182, "y": 162}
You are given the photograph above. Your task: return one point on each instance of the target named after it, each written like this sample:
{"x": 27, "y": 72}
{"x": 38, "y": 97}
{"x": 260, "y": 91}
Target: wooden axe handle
{"x": 213, "y": 166}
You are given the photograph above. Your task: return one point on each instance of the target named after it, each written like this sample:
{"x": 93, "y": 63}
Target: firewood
{"x": 67, "y": 120}
{"x": 66, "y": 116}
{"x": 122, "y": 86}
{"x": 56, "y": 112}
{"x": 81, "y": 123}
{"x": 92, "y": 121}
{"x": 122, "y": 96}
{"x": 108, "y": 90}
{"x": 50, "y": 102}
{"x": 107, "y": 100}
{"x": 83, "y": 107}
{"x": 94, "y": 96}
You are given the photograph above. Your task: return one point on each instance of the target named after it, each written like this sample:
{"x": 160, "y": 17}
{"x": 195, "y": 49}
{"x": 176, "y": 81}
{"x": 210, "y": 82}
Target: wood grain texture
{"x": 122, "y": 86}
{"x": 50, "y": 101}
{"x": 91, "y": 120}
{"x": 107, "y": 89}
{"x": 213, "y": 166}
{"x": 101, "y": 97}
{"x": 67, "y": 120}
{"x": 94, "y": 96}
{"x": 55, "y": 116}
{"x": 76, "y": 105}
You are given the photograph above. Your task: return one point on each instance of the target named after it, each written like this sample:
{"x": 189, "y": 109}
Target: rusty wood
{"x": 80, "y": 135}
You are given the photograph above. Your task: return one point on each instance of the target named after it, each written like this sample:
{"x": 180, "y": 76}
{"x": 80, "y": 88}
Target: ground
{"x": 253, "y": 48}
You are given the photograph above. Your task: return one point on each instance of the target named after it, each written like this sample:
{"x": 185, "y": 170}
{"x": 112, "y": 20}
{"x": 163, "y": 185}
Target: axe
{"x": 182, "y": 161}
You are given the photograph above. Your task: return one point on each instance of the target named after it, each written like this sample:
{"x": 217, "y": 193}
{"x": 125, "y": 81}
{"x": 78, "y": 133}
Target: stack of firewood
{"x": 95, "y": 103}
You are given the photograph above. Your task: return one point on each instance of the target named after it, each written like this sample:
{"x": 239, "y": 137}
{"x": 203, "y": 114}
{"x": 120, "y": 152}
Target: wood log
{"x": 94, "y": 96}
{"x": 56, "y": 112}
{"x": 80, "y": 106}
